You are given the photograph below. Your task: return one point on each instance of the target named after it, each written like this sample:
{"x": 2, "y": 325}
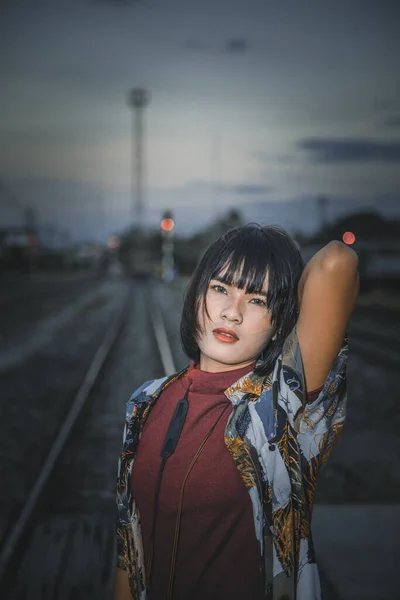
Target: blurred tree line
{"x": 367, "y": 226}
{"x": 140, "y": 250}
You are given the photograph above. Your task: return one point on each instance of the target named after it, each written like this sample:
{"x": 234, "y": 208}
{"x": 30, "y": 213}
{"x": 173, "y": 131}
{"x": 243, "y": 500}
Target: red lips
{"x": 225, "y": 335}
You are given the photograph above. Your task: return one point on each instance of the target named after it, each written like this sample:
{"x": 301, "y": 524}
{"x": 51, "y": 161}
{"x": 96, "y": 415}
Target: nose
{"x": 232, "y": 310}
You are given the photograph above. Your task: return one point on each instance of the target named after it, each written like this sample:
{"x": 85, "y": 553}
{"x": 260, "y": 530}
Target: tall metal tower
{"x": 138, "y": 99}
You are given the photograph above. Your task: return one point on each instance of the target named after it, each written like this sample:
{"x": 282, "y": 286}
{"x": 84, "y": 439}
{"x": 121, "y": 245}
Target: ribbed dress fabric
{"x": 218, "y": 555}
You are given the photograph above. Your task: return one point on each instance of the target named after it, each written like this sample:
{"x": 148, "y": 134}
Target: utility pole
{"x": 138, "y": 99}
{"x": 216, "y": 166}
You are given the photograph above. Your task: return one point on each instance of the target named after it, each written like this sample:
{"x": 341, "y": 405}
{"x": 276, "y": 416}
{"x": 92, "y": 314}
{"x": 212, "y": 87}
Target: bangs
{"x": 246, "y": 264}
{"x": 243, "y": 274}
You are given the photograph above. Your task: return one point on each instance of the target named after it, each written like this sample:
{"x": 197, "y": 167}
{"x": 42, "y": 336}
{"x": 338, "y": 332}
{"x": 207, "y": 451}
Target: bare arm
{"x": 328, "y": 292}
{"x": 121, "y": 587}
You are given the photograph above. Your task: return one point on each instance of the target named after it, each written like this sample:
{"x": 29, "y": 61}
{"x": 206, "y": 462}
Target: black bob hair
{"x": 247, "y": 254}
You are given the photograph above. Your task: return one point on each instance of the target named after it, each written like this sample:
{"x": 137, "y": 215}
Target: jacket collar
{"x": 248, "y": 384}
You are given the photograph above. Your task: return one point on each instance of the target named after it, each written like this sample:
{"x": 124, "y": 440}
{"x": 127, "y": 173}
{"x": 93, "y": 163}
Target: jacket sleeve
{"x": 123, "y": 492}
{"x": 121, "y": 520}
{"x": 330, "y": 405}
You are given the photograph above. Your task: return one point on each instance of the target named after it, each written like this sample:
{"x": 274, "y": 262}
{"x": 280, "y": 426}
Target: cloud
{"x": 351, "y": 150}
{"x": 115, "y": 2}
{"x": 251, "y": 189}
{"x": 233, "y": 46}
{"x": 195, "y": 46}
{"x": 238, "y": 189}
{"x": 236, "y": 46}
{"x": 392, "y": 122}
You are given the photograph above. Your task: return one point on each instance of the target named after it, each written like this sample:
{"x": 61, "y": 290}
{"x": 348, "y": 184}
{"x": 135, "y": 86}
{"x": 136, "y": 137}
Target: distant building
{"x": 18, "y": 248}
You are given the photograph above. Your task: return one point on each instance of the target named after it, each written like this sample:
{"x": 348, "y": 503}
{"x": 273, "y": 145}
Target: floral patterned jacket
{"x": 279, "y": 442}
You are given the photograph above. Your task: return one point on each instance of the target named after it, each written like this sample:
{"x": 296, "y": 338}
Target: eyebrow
{"x": 221, "y": 280}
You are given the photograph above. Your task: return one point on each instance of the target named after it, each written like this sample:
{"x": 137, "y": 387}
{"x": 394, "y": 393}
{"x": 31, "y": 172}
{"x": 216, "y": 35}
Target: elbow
{"x": 339, "y": 257}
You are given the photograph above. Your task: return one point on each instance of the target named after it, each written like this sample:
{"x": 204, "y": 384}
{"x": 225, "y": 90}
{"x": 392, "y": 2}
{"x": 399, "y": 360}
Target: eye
{"x": 218, "y": 288}
{"x": 258, "y": 302}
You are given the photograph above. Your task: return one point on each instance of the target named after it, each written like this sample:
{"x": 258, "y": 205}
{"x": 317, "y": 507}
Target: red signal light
{"x": 349, "y": 238}
{"x": 113, "y": 242}
{"x": 167, "y": 224}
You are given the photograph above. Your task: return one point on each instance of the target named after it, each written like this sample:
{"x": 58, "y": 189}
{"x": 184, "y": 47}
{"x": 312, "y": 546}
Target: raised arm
{"x": 328, "y": 291}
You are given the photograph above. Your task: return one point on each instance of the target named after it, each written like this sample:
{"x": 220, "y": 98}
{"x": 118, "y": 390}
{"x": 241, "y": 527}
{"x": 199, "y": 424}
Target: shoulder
{"x": 144, "y": 393}
{"x": 146, "y": 390}
{"x": 150, "y": 390}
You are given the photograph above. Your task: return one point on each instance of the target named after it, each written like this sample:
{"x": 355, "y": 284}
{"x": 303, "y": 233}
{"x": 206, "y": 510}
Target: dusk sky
{"x": 253, "y": 103}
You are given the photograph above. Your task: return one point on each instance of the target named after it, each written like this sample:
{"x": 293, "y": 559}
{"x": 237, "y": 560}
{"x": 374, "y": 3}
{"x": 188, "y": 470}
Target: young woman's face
{"x": 238, "y": 327}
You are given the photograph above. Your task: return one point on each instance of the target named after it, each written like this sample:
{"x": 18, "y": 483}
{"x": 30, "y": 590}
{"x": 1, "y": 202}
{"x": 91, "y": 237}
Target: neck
{"x": 212, "y": 366}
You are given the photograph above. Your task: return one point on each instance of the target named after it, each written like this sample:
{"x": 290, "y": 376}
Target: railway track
{"x": 380, "y": 349}
{"x": 62, "y": 542}
{"x": 68, "y": 423}
{"x": 45, "y": 297}
{"x": 374, "y": 334}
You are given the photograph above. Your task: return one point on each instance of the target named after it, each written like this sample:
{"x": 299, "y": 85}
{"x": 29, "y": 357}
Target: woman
{"x": 216, "y": 499}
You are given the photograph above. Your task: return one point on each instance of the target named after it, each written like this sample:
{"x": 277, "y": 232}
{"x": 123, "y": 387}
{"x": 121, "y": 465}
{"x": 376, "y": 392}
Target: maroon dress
{"x": 218, "y": 554}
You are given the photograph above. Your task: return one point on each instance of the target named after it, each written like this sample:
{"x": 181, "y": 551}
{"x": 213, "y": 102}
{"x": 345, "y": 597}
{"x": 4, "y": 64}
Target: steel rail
{"x": 103, "y": 351}
{"x": 161, "y": 336}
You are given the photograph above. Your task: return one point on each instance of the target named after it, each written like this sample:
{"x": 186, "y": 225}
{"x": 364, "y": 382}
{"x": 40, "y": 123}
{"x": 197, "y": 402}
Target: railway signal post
{"x": 167, "y": 248}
